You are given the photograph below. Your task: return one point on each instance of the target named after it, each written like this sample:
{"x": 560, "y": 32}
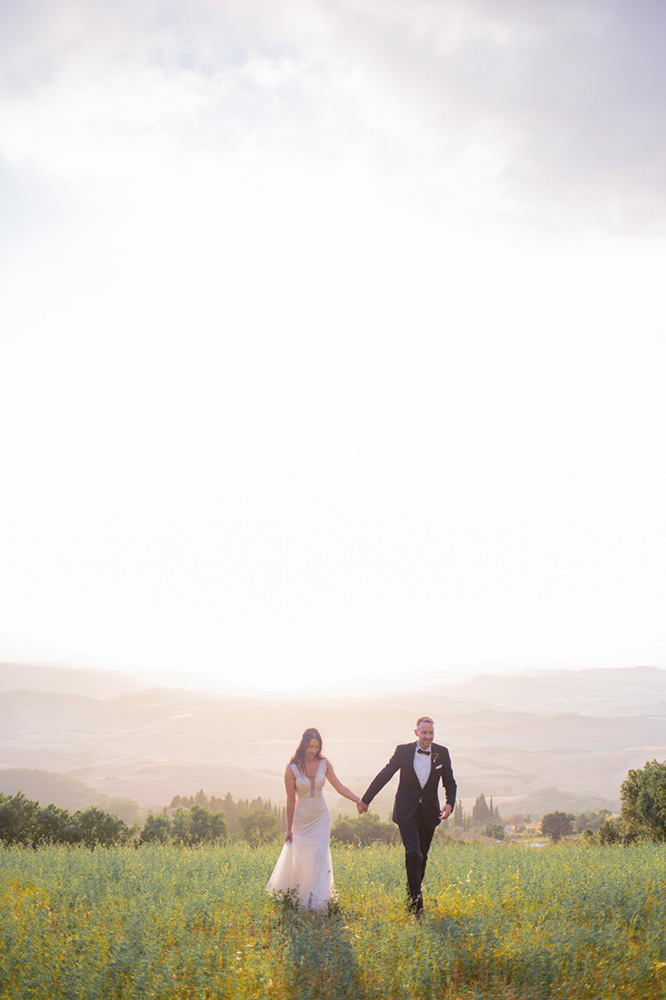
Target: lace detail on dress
{"x": 308, "y": 787}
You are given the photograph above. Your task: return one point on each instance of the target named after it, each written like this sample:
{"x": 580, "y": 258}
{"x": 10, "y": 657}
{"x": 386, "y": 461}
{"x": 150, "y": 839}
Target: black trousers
{"x": 416, "y": 838}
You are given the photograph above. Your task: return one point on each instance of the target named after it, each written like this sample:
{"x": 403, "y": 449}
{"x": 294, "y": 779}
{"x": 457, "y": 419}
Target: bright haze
{"x": 332, "y": 337}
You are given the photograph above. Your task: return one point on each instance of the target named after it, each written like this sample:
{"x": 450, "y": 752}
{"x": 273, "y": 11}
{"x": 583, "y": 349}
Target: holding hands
{"x": 361, "y": 806}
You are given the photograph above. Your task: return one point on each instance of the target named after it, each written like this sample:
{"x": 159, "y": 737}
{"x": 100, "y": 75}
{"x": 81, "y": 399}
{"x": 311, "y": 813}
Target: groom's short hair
{"x": 424, "y": 718}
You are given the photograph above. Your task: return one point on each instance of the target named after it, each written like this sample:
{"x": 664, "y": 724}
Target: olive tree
{"x": 557, "y": 825}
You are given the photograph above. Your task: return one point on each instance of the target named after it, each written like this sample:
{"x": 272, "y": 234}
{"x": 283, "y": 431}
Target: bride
{"x": 304, "y": 866}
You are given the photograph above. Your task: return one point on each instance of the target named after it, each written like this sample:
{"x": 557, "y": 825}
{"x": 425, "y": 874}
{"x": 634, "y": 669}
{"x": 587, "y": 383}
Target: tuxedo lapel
{"x": 412, "y": 752}
{"x": 434, "y": 757}
{"x": 411, "y": 749}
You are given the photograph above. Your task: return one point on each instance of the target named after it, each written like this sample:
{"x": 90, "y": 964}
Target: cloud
{"x": 556, "y": 107}
{"x": 585, "y": 116}
{"x": 565, "y": 97}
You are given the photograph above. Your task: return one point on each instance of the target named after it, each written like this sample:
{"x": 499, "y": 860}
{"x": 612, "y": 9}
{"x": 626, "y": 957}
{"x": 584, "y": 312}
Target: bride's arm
{"x": 290, "y": 785}
{"x": 337, "y": 784}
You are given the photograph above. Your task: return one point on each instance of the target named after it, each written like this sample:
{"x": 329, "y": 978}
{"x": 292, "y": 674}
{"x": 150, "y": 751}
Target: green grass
{"x": 570, "y": 922}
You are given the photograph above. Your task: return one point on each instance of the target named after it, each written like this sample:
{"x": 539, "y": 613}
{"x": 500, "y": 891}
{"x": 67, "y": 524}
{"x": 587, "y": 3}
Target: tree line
{"x": 485, "y": 818}
{"x": 233, "y": 809}
{"x": 196, "y": 820}
{"x": 26, "y": 823}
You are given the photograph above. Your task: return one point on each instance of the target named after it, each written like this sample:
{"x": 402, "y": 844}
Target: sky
{"x": 331, "y": 338}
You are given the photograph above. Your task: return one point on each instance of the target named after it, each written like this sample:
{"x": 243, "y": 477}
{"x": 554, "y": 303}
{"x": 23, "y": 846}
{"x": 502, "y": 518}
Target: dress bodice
{"x": 310, "y": 788}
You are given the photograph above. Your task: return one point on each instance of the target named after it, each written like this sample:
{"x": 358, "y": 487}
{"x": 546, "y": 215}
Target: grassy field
{"x": 571, "y": 922}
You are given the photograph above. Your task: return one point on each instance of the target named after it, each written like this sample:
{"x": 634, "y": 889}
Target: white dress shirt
{"x": 422, "y": 765}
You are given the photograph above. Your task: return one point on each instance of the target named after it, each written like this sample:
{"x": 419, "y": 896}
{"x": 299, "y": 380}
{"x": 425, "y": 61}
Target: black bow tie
{"x": 426, "y": 752}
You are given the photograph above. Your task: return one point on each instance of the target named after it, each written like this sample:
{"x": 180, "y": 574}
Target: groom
{"x": 417, "y": 812}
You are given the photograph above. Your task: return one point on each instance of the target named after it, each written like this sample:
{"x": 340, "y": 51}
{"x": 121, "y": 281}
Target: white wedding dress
{"x": 305, "y": 864}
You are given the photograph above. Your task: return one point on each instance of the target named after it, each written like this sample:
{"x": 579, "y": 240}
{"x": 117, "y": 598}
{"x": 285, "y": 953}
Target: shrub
{"x": 364, "y": 830}
{"x": 557, "y": 825}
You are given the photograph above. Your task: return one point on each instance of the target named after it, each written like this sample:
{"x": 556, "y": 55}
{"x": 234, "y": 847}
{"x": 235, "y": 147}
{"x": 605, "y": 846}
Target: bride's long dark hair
{"x": 299, "y": 754}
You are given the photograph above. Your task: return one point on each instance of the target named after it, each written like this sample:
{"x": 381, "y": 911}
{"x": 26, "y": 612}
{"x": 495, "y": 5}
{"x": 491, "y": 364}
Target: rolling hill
{"x": 545, "y": 736}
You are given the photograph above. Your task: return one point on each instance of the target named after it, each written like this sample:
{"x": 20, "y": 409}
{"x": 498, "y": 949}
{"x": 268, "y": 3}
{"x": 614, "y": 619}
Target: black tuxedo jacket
{"x": 410, "y": 793}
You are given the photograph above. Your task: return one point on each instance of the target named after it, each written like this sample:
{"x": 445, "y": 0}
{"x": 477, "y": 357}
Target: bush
{"x": 191, "y": 827}
{"x": 364, "y": 830}
{"x": 18, "y": 819}
{"x": 258, "y": 827}
{"x": 494, "y": 830}
{"x": 610, "y": 832}
{"x": 156, "y": 829}
{"x": 590, "y": 820}
{"x": 557, "y": 825}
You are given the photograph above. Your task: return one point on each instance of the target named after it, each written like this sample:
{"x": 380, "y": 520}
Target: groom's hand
{"x": 446, "y": 811}
{"x": 362, "y": 806}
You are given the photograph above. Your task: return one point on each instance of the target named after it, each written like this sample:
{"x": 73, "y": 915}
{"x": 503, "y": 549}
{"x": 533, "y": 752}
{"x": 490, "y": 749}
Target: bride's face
{"x": 312, "y": 749}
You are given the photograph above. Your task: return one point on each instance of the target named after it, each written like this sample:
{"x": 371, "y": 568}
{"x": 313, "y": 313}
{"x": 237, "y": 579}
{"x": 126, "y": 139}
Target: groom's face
{"x": 425, "y": 733}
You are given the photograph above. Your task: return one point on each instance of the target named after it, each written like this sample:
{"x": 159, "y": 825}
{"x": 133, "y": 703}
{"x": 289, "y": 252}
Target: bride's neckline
{"x": 311, "y": 776}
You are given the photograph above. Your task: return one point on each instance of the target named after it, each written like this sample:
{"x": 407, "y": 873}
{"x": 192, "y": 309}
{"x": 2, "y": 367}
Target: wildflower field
{"x": 571, "y": 921}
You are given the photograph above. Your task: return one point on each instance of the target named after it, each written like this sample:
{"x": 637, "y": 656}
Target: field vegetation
{"x": 571, "y": 921}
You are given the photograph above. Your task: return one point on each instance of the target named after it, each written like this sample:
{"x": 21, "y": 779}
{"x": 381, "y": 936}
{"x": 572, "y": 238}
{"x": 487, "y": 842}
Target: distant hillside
{"x": 150, "y": 744}
{"x": 45, "y": 787}
{"x": 551, "y": 799}
{"x": 71, "y": 680}
{"x": 626, "y": 691}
